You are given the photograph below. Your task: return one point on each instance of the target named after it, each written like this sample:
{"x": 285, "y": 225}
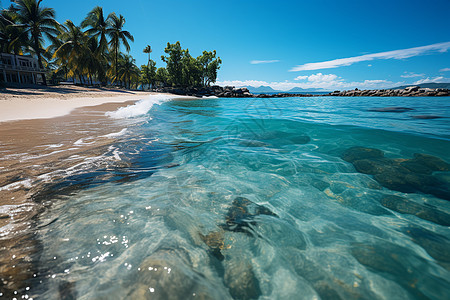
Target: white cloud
{"x": 319, "y": 77}
{"x": 411, "y": 75}
{"x": 396, "y": 54}
{"x": 316, "y": 81}
{"x": 257, "y": 62}
{"x": 369, "y": 65}
{"x": 438, "y": 79}
{"x": 301, "y": 77}
{"x": 444, "y": 70}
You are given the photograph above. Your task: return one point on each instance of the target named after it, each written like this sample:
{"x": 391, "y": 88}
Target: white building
{"x": 21, "y": 69}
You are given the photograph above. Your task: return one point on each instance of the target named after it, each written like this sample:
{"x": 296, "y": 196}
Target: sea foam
{"x": 140, "y": 108}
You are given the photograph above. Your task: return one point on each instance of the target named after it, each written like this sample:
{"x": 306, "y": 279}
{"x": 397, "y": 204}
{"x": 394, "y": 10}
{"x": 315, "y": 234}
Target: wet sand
{"x": 37, "y": 151}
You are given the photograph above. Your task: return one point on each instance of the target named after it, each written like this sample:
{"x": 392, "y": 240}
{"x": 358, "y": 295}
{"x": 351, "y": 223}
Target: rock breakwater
{"x": 233, "y": 92}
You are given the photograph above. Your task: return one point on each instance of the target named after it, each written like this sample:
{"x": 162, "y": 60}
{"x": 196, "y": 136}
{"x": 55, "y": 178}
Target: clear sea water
{"x": 155, "y": 225}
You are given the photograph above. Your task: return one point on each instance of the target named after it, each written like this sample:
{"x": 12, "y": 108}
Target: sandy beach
{"x": 49, "y": 102}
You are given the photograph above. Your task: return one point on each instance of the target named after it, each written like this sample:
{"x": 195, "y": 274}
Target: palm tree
{"x": 148, "y": 50}
{"x": 37, "y": 22}
{"x": 118, "y": 36}
{"x": 74, "y": 50}
{"x": 128, "y": 71}
{"x": 12, "y": 38}
{"x": 99, "y": 26}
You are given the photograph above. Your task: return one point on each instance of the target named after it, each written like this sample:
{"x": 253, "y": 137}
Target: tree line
{"x": 90, "y": 53}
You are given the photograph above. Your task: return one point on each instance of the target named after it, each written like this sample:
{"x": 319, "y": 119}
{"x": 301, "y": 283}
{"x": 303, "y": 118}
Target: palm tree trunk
{"x": 38, "y": 53}
{"x": 117, "y": 58}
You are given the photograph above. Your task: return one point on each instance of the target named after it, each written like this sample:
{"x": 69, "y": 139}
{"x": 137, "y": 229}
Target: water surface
{"x": 251, "y": 198}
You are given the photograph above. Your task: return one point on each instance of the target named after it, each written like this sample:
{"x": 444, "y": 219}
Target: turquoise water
{"x": 251, "y": 198}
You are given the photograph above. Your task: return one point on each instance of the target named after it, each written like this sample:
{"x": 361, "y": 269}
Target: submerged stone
{"x": 320, "y": 184}
{"x": 437, "y": 246}
{"x": 325, "y": 291}
{"x": 416, "y": 167}
{"x": 405, "y": 206}
{"x": 300, "y": 139}
{"x": 167, "y": 274}
{"x": 388, "y": 258}
{"x": 432, "y": 162}
{"x": 241, "y": 280}
{"x": 395, "y": 109}
{"x": 426, "y": 117}
{"x": 371, "y": 166}
{"x": 277, "y": 138}
{"x": 216, "y": 242}
{"x": 241, "y": 214}
{"x": 358, "y": 153}
{"x": 252, "y": 143}
{"x": 404, "y": 175}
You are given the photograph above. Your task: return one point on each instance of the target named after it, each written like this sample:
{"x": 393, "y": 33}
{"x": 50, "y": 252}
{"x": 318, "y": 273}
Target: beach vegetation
{"x": 36, "y": 22}
{"x": 12, "y": 38}
{"x": 183, "y": 70}
{"x": 118, "y": 36}
{"x": 210, "y": 64}
{"x": 91, "y": 53}
{"x": 127, "y": 71}
{"x": 162, "y": 77}
{"x": 148, "y": 73}
{"x": 74, "y": 51}
{"x": 148, "y": 50}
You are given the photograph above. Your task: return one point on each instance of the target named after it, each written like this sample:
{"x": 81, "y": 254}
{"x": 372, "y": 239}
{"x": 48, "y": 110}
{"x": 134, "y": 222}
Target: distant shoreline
{"x": 233, "y": 92}
{"x": 49, "y": 102}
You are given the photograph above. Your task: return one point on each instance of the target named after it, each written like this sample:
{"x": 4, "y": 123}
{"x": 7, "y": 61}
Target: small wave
{"x": 115, "y": 134}
{"x": 140, "y": 108}
{"x": 82, "y": 141}
{"x": 51, "y": 146}
{"x": 16, "y": 185}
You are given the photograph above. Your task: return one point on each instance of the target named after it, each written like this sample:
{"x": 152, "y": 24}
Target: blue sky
{"x": 279, "y": 43}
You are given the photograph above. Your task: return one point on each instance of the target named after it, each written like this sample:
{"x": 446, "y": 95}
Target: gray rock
{"x": 413, "y": 88}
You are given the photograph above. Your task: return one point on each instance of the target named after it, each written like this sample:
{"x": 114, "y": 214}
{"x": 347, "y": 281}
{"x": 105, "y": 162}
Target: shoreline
{"x": 51, "y": 102}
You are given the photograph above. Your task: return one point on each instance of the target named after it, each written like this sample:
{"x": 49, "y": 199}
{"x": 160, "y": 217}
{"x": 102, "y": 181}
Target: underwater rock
{"x": 389, "y": 258}
{"x": 416, "y": 167}
{"x": 404, "y": 175}
{"x": 252, "y": 143}
{"x": 432, "y": 162}
{"x": 391, "y": 109}
{"x": 241, "y": 214}
{"x": 398, "y": 179}
{"x": 325, "y": 291}
{"x": 371, "y": 166}
{"x": 167, "y": 274}
{"x": 358, "y": 153}
{"x": 426, "y": 117}
{"x": 405, "y": 206}
{"x": 437, "y": 246}
{"x": 216, "y": 242}
{"x": 320, "y": 184}
{"x": 238, "y": 274}
{"x": 277, "y": 138}
{"x": 241, "y": 280}
{"x": 299, "y": 139}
